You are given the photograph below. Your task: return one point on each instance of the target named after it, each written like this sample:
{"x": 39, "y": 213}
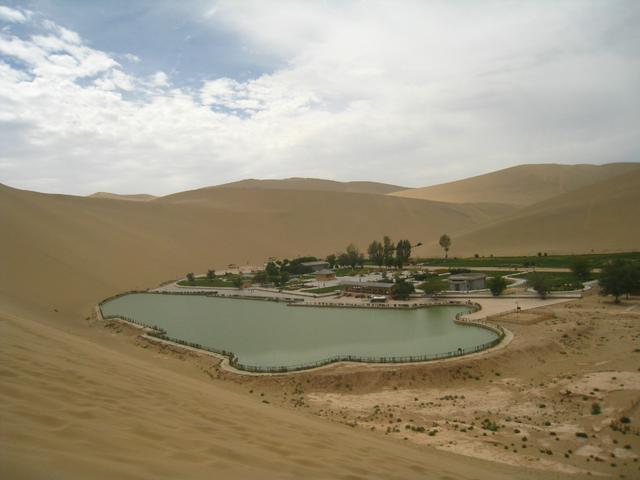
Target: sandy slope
{"x": 89, "y": 406}
{"x": 78, "y": 402}
{"x": 81, "y": 249}
{"x": 307, "y": 184}
{"x": 600, "y": 217}
{"x": 520, "y": 185}
{"x": 135, "y": 197}
{"x": 81, "y": 402}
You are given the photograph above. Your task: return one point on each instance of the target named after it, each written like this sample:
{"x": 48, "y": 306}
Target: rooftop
{"x": 324, "y": 271}
{"x": 317, "y": 263}
{"x": 366, "y": 284}
{"x": 467, "y": 276}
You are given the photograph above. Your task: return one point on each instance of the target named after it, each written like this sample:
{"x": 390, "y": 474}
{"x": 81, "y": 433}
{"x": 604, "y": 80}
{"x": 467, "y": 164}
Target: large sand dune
{"x": 80, "y": 402}
{"x": 80, "y": 249}
{"x": 599, "y": 217}
{"x": 521, "y": 185}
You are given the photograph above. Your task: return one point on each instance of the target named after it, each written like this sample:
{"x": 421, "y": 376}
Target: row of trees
{"x": 389, "y": 254}
{"x": 619, "y": 278}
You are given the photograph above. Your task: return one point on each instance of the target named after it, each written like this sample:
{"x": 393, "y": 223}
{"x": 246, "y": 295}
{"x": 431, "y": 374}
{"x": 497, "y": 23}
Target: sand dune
{"x": 599, "y": 217}
{"x": 307, "y": 184}
{"x": 102, "y": 246}
{"x": 81, "y": 402}
{"x": 521, "y": 185}
{"x": 91, "y": 404}
{"x": 136, "y": 197}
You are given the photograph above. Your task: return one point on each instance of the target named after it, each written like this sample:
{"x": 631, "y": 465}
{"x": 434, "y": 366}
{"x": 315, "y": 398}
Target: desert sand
{"x": 521, "y": 185}
{"x": 81, "y": 399}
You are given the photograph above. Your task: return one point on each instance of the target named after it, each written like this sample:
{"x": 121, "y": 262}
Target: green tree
{"x": 402, "y": 289}
{"x": 237, "y": 281}
{"x": 434, "y": 287}
{"x": 191, "y": 277}
{"x": 618, "y": 278}
{"x": 353, "y": 256}
{"x": 273, "y": 272}
{"x": 376, "y": 253}
{"x": 445, "y": 243}
{"x": 260, "y": 277}
{"x": 283, "y": 278}
{"x": 331, "y": 260}
{"x": 211, "y": 274}
{"x": 497, "y": 284}
{"x": 403, "y": 253}
{"x": 540, "y": 283}
{"x": 388, "y": 249}
{"x": 581, "y": 268}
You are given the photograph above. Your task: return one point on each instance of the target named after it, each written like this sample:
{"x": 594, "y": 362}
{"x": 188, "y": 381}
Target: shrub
{"x": 596, "y": 409}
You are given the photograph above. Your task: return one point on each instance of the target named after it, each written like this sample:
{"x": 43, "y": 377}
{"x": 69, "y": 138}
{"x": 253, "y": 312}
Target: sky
{"x": 162, "y": 96}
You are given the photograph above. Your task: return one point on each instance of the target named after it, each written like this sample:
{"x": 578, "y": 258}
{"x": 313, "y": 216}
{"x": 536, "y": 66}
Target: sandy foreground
{"x": 96, "y": 402}
{"x": 82, "y": 399}
{"x": 106, "y": 404}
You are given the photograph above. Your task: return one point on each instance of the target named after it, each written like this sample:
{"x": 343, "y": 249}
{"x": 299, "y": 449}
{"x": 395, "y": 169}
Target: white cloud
{"x": 160, "y": 79}
{"x": 131, "y": 58}
{"x": 410, "y": 93}
{"x": 12, "y": 15}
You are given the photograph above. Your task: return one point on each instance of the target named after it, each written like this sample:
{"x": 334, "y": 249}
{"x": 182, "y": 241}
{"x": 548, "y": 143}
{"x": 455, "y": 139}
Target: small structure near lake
{"x": 372, "y": 288}
{"x": 324, "y": 275}
{"x": 465, "y": 282}
{"x": 316, "y": 266}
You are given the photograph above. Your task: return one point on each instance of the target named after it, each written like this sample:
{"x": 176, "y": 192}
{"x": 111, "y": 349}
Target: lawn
{"x": 558, "y": 281}
{"x": 226, "y": 281}
{"x": 348, "y": 272}
{"x": 558, "y": 261}
{"x": 333, "y": 288}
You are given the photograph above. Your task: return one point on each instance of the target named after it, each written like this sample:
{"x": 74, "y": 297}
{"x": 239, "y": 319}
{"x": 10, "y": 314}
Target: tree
{"x": 388, "y": 249}
{"x": 581, "y": 268}
{"x": 191, "y": 277}
{"x": 237, "y": 281}
{"x": 540, "y": 283}
{"x": 211, "y": 274}
{"x": 497, "y": 284}
{"x": 403, "y": 252}
{"x": 353, "y": 256}
{"x": 273, "y": 272}
{"x": 619, "y": 277}
{"x": 445, "y": 243}
{"x": 260, "y": 277}
{"x": 283, "y": 278}
{"x": 376, "y": 253}
{"x": 331, "y": 260}
{"x": 434, "y": 287}
{"x": 402, "y": 289}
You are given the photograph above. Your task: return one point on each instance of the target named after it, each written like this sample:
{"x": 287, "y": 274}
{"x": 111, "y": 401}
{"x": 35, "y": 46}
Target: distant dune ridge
{"x": 522, "y": 185}
{"x": 92, "y": 405}
{"x": 300, "y": 183}
{"x": 138, "y": 197}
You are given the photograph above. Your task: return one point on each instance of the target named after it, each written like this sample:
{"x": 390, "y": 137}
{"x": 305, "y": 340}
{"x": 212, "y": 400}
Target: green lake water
{"x": 271, "y": 334}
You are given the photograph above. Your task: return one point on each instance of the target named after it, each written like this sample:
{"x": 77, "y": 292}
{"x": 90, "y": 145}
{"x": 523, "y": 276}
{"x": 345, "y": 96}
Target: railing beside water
{"x": 161, "y": 334}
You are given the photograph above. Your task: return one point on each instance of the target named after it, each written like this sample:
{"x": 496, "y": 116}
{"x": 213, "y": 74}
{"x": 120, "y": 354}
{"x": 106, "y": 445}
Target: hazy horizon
{"x": 160, "y": 97}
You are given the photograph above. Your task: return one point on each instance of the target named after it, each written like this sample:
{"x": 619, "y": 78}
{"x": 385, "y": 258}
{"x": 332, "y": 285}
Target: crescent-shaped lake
{"x": 272, "y": 334}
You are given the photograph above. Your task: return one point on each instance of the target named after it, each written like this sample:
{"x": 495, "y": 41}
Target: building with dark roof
{"x": 372, "y": 288}
{"x": 465, "y": 282}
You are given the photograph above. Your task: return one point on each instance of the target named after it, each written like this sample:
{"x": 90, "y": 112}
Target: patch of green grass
{"x": 333, "y": 288}
{"x": 347, "y": 272}
{"x": 558, "y": 281}
{"x": 226, "y": 281}
{"x": 596, "y": 260}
